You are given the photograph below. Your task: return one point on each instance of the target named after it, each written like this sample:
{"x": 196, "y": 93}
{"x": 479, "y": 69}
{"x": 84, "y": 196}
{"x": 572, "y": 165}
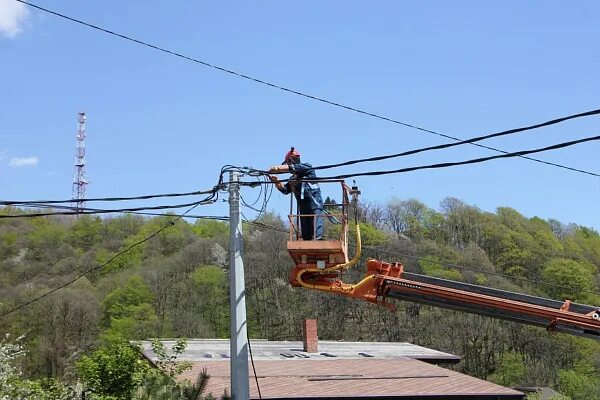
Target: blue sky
{"x": 159, "y": 124}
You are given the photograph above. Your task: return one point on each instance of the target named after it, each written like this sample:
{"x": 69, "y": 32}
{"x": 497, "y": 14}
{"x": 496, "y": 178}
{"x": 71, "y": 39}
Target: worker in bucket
{"x": 306, "y": 191}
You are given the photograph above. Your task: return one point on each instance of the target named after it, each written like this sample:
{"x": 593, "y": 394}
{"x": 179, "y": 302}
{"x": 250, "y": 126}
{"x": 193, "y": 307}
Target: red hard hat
{"x": 292, "y": 152}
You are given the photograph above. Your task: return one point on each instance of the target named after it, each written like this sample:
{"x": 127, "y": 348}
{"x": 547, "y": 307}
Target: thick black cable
{"x": 153, "y": 214}
{"x": 207, "y": 217}
{"x": 105, "y": 211}
{"x": 466, "y": 162}
{"x": 167, "y": 225}
{"x": 212, "y": 198}
{"x": 467, "y": 141}
{"x": 253, "y": 367}
{"x": 265, "y": 195}
{"x": 283, "y": 88}
{"x": 441, "y": 165}
{"x": 144, "y": 197}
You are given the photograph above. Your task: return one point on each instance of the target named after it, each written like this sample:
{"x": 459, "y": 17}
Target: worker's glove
{"x": 273, "y": 178}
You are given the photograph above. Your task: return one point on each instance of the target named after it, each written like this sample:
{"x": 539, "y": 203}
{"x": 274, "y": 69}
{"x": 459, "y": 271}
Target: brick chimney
{"x": 309, "y": 336}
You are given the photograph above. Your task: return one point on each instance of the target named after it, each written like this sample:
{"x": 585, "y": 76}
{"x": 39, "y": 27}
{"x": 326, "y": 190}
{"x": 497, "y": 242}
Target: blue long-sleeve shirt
{"x": 301, "y": 173}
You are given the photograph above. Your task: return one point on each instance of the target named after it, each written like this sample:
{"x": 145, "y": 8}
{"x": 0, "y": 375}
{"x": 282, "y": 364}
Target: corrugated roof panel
{"x": 272, "y": 350}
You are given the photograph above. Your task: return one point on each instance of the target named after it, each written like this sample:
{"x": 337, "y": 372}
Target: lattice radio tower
{"x": 79, "y": 180}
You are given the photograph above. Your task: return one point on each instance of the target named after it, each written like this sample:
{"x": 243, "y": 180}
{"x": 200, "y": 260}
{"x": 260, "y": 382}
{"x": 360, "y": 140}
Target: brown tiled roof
{"x": 353, "y": 378}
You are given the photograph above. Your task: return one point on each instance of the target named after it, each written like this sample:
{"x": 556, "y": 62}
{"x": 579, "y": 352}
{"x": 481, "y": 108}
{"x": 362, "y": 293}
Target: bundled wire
{"x": 143, "y": 197}
{"x": 92, "y": 211}
{"x": 265, "y": 194}
{"x": 471, "y": 141}
{"x": 471, "y": 161}
{"x": 450, "y": 164}
{"x": 212, "y": 197}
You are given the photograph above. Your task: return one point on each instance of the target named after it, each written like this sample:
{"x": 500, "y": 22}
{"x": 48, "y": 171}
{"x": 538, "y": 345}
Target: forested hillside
{"x": 176, "y": 285}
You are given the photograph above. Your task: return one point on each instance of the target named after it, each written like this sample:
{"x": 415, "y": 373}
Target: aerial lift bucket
{"x": 332, "y": 250}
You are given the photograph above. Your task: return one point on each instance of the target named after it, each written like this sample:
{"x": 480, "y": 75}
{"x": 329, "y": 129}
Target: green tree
{"x": 212, "y": 291}
{"x": 113, "y": 371}
{"x": 433, "y": 266}
{"x": 128, "y": 310}
{"x": 406, "y": 217}
{"x": 578, "y": 386}
{"x": 510, "y": 371}
{"x": 86, "y": 232}
{"x": 46, "y": 241}
{"x": 370, "y": 236}
{"x": 572, "y": 279}
{"x": 162, "y": 383}
{"x": 207, "y": 228}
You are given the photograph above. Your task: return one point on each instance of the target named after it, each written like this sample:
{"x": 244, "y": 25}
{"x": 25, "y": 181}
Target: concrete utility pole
{"x": 240, "y": 386}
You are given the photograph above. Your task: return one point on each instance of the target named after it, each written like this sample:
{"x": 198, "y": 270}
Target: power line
{"x": 466, "y": 162}
{"x": 144, "y": 197}
{"x": 439, "y": 165}
{"x": 471, "y": 140}
{"x": 212, "y": 198}
{"x": 207, "y": 217}
{"x": 154, "y": 214}
{"x": 167, "y": 225}
{"x": 104, "y": 211}
{"x": 90, "y": 211}
{"x": 264, "y": 194}
{"x": 275, "y": 86}
{"x": 192, "y": 216}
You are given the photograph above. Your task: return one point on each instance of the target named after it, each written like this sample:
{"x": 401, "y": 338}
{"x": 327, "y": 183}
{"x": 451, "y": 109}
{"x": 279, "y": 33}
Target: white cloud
{"x": 23, "y": 161}
{"x": 12, "y": 17}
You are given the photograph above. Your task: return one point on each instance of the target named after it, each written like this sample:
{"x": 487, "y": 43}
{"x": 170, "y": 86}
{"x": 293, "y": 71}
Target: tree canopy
{"x": 176, "y": 285}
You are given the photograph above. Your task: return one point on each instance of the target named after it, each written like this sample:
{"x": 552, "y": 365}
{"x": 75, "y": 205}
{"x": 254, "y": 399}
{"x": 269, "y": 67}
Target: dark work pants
{"x": 310, "y": 224}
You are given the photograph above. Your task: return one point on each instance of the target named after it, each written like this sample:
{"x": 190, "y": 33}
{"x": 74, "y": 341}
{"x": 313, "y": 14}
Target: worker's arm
{"x": 279, "y": 169}
{"x": 280, "y": 186}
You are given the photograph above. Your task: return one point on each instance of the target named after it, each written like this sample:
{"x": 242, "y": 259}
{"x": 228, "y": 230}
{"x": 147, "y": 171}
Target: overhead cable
{"x": 210, "y": 199}
{"x": 143, "y": 197}
{"x": 471, "y": 140}
{"x": 92, "y": 211}
{"x": 276, "y": 86}
{"x": 466, "y": 162}
{"x": 105, "y": 211}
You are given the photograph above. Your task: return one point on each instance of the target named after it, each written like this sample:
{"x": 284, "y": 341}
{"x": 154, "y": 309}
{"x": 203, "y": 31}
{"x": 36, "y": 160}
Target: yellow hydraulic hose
{"x": 337, "y": 267}
{"x": 350, "y": 288}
